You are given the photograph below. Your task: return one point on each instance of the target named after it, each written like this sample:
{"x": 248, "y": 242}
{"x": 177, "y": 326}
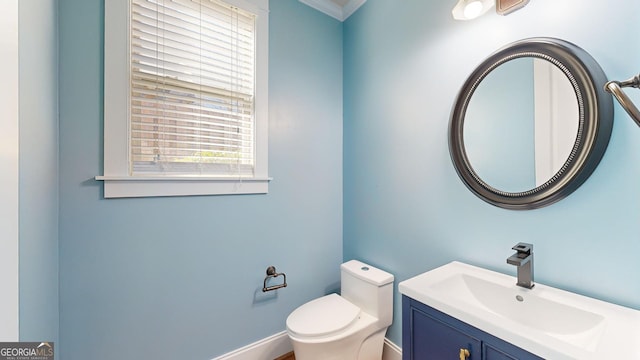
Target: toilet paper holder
{"x": 271, "y": 273}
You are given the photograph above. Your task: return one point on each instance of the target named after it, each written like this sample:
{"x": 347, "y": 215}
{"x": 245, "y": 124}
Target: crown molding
{"x": 334, "y": 10}
{"x": 351, "y": 7}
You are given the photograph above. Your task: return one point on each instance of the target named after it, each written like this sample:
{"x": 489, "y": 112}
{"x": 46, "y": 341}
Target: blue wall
{"x": 405, "y": 208}
{"x": 38, "y": 170}
{"x": 181, "y": 278}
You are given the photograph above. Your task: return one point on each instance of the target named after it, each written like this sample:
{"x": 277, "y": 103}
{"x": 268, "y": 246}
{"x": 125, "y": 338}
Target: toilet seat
{"x": 324, "y": 316}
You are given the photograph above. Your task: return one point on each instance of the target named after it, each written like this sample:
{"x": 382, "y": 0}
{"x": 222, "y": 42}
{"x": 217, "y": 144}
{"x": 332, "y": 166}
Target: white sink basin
{"x": 548, "y": 322}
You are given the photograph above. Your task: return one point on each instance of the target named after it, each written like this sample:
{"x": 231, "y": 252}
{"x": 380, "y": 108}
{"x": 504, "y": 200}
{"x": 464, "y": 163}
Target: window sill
{"x": 137, "y": 186}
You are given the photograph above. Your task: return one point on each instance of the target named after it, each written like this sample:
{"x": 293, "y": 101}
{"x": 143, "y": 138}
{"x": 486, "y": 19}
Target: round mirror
{"x": 533, "y": 102}
{"x": 531, "y": 123}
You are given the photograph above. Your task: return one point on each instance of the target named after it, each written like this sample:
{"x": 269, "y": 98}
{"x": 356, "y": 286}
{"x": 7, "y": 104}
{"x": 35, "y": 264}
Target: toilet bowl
{"x": 350, "y": 326}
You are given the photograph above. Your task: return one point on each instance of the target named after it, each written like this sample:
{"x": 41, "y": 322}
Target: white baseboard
{"x": 268, "y": 348}
{"x": 391, "y": 351}
{"x": 277, "y": 345}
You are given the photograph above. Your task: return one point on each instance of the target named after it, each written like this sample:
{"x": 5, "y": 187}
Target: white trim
{"x": 279, "y": 344}
{"x": 334, "y": 10}
{"x": 9, "y": 174}
{"x": 268, "y": 348}
{"x": 146, "y": 187}
{"x": 326, "y": 6}
{"x": 116, "y": 86}
{"x": 554, "y": 101}
{"x": 118, "y": 182}
{"x": 351, "y": 7}
{"x": 391, "y": 351}
{"x": 180, "y": 178}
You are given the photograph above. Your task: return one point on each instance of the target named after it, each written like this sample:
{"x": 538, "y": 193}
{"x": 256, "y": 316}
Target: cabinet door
{"x": 501, "y": 350}
{"x": 426, "y": 337}
{"x": 430, "y": 334}
{"x": 491, "y": 353}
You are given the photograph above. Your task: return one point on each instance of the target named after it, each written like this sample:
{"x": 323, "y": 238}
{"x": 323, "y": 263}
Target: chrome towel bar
{"x": 615, "y": 88}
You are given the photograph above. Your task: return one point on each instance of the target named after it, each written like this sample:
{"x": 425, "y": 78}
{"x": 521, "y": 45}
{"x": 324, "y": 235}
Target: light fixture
{"x": 615, "y": 88}
{"x": 505, "y": 7}
{"x": 471, "y": 9}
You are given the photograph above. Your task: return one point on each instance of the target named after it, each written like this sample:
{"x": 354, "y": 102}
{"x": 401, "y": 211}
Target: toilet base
{"x": 349, "y": 348}
{"x": 372, "y": 347}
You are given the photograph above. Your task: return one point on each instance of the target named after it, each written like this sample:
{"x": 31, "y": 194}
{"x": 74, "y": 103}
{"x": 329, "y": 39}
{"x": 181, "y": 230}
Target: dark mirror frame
{"x": 594, "y": 128}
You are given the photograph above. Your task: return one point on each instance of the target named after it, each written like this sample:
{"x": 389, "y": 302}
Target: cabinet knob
{"x": 464, "y": 354}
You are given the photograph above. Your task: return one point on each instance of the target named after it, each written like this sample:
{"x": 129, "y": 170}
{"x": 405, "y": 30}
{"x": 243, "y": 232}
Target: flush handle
{"x": 464, "y": 354}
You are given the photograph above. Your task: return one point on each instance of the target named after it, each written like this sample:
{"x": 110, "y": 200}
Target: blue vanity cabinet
{"x": 430, "y": 334}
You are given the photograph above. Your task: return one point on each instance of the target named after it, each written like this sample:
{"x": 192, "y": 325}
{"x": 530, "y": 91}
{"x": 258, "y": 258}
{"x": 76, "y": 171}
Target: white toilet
{"x": 347, "y": 327}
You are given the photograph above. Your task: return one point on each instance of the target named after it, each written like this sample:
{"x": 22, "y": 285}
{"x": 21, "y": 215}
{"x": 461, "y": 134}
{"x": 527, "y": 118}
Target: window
{"x": 185, "y": 97}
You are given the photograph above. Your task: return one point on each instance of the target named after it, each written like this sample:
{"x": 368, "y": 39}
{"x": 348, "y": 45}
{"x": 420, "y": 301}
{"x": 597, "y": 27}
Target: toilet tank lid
{"x": 367, "y": 273}
{"x": 323, "y": 316}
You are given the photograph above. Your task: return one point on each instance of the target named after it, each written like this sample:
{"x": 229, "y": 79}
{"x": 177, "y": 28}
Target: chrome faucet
{"x": 523, "y": 260}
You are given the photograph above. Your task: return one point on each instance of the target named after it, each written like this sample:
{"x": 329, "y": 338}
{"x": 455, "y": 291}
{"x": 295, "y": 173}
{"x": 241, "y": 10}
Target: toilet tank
{"x": 369, "y": 288}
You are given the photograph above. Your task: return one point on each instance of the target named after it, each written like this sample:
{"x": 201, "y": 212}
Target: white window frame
{"x": 9, "y": 176}
{"x": 118, "y": 182}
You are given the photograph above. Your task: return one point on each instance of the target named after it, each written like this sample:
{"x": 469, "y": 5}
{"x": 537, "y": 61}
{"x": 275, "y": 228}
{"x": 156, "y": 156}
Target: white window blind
{"x": 192, "y": 88}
